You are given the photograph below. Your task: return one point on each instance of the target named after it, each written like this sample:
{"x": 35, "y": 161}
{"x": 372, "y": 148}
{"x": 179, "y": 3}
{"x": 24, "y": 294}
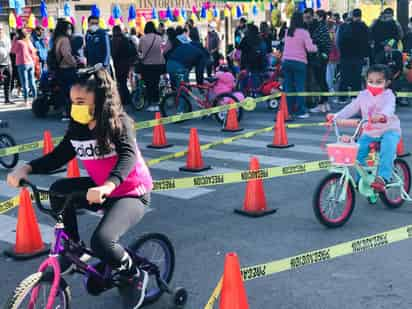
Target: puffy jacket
{"x": 40, "y": 45}
{"x": 353, "y": 40}
{"x": 98, "y": 48}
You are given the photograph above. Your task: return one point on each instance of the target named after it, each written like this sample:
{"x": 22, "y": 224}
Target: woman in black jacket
{"x": 122, "y": 60}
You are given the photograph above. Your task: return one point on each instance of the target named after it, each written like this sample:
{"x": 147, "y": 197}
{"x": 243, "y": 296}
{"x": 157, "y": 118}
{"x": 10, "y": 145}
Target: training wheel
{"x": 180, "y": 297}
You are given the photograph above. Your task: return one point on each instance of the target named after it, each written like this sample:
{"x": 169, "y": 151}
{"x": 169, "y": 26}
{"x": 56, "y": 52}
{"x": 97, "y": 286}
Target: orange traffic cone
{"x": 159, "y": 136}
{"x": 231, "y": 122}
{"x": 280, "y": 139}
{"x": 47, "y": 143}
{"x": 194, "y": 162}
{"x": 28, "y": 238}
{"x": 254, "y": 204}
{"x": 233, "y": 295}
{"x": 73, "y": 170}
{"x": 284, "y": 107}
{"x": 400, "y": 150}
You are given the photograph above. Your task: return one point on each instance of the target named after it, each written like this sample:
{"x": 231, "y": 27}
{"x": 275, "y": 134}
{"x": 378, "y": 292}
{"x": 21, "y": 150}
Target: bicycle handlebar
{"x": 358, "y": 123}
{"x": 48, "y": 211}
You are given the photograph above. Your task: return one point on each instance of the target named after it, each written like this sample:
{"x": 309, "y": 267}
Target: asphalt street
{"x": 203, "y": 228}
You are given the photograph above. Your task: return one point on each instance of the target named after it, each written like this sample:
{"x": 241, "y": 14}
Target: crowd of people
{"x": 319, "y": 52}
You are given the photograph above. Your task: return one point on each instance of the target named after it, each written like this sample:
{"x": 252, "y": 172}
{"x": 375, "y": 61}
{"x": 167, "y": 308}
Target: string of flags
{"x": 206, "y": 13}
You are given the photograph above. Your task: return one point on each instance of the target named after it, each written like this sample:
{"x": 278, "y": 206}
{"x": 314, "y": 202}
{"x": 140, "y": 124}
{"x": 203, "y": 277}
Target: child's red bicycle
{"x": 179, "y": 102}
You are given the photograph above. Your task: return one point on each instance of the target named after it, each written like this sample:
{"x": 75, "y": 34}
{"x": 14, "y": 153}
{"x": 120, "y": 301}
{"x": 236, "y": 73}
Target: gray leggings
{"x": 120, "y": 214}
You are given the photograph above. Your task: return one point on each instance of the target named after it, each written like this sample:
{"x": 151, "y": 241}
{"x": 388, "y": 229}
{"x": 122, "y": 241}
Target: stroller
{"x": 49, "y": 90}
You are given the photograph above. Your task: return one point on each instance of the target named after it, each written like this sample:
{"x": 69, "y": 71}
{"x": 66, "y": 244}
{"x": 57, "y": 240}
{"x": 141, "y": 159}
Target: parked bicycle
{"x": 6, "y": 140}
{"x": 138, "y": 94}
{"x": 152, "y": 252}
{"x": 334, "y": 199}
{"x": 261, "y": 84}
{"x": 179, "y": 101}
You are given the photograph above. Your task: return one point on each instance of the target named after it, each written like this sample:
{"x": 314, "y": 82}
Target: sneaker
{"x": 379, "y": 184}
{"x": 133, "y": 289}
{"x": 303, "y": 116}
{"x": 152, "y": 108}
{"x": 315, "y": 110}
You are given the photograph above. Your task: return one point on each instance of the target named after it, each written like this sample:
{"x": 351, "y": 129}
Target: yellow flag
{"x": 52, "y": 23}
{"x": 12, "y": 21}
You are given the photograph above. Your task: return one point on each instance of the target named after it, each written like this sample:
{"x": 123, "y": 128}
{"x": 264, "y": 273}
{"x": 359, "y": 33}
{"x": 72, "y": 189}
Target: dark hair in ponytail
{"x": 296, "y": 23}
{"x": 108, "y": 108}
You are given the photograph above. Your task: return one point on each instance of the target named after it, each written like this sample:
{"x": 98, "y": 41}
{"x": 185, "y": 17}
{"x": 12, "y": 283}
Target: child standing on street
{"x": 377, "y": 105}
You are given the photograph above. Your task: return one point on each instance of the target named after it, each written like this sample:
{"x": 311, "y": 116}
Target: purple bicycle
{"x": 46, "y": 288}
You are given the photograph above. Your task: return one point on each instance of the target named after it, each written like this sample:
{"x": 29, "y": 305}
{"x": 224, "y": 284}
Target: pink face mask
{"x": 375, "y": 90}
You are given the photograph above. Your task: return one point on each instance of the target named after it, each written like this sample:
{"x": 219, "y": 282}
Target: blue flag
{"x": 43, "y": 9}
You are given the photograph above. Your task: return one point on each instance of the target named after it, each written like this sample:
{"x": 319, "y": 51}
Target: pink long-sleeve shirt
{"x": 298, "y": 45}
{"x": 368, "y": 105}
{"x": 24, "y": 51}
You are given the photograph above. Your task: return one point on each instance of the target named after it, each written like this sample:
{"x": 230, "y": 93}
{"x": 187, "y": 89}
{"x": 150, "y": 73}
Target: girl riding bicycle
{"x": 377, "y": 105}
{"x": 102, "y": 136}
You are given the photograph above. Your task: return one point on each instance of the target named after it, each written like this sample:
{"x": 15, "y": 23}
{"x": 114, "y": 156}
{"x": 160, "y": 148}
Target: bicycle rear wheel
{"x": 158, "y": 249}
{"x": 392, "y": 197}
{"x": 328, "y": 209}
{"x": 224, "y": 99}
{"x": 169, "y": 106}
{"x": 22, "y": 295}
{"x": 7, "y": 141}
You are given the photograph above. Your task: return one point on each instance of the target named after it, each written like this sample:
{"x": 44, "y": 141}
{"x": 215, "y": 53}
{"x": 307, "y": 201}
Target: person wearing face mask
{"x": 102, "y": 136}
{"x": 385, "y": 28}
{"x": 97, "y": 44}
{"x": 353, "y": 43}
{"x": 377, "y": 105}
{"x": 66, "y": 64}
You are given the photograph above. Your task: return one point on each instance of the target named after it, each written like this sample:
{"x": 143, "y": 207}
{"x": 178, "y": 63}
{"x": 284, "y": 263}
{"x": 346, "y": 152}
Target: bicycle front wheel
{"x": 172, "y": 105}
{"x": 329, "y": 209}
{"x": 157, "y": 249}
{"x": 392, "y": 197}
{"x": 5, "y": 142}
{"x": 224, "y": 99}
{"x": 23, "y": 297}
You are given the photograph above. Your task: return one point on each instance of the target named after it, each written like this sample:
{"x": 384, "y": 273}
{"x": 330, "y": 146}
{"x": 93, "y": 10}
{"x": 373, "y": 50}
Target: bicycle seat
{"x": 211, "y": 79}
{"x": 375, "y": 146}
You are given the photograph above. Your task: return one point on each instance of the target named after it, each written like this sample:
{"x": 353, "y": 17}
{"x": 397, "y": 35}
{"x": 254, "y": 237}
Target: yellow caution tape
{"x": 241, "y": 176}
{"x": 26, "y": 147}
{"x": 248, "y": 104}
{"x": 202, "y": 181}
{"x": 230, "y": 140}
{"x": 210, "y": 145}
{"x": 15, "y": 201}
{"x": 317, "y": 256}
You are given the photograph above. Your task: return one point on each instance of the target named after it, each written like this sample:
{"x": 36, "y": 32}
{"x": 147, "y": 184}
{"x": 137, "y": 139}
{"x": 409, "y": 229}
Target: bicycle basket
{"x": 342, "y": 153}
